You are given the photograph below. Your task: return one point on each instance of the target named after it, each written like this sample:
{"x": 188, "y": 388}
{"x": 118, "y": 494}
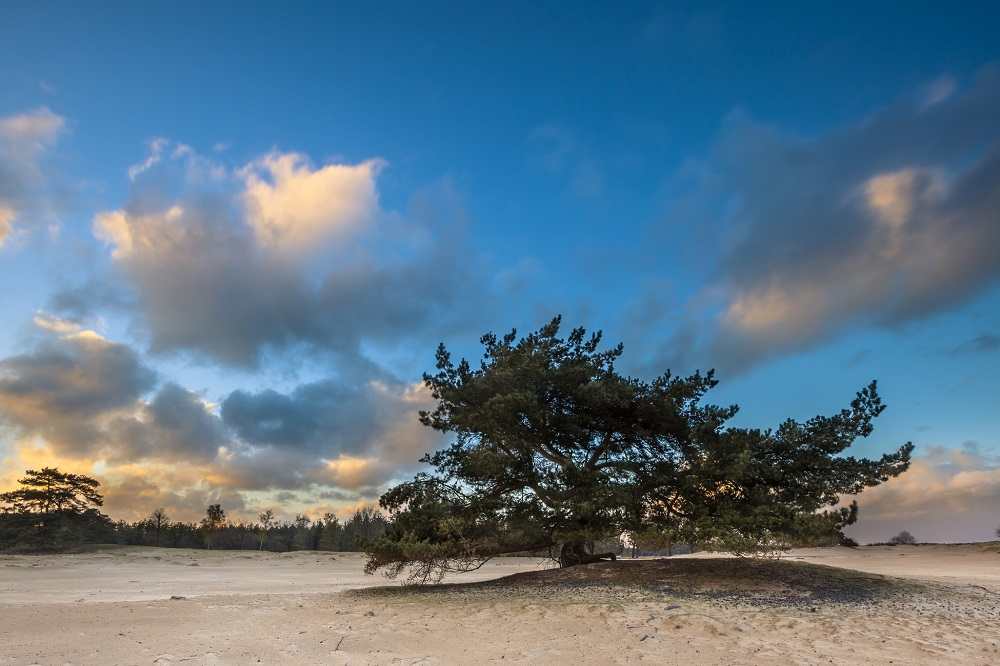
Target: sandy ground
{"x": 160, "y": 606}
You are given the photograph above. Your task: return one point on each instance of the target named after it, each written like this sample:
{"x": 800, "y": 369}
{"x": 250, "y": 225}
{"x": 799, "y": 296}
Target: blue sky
{"x": 232, "y": 240}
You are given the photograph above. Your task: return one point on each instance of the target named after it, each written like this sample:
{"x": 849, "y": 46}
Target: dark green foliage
{"x": 366, "y": 524}
{"x": 847, "y": 541}
{"x": 158, "y": 521}
{"x": 214, "y": 520}
{"x": 51, "y": 510}
{"x": 216, "y": 532}
{"x": 50, "y": 491}
{"x": 326, "y": 533}
{"x": 554, "y": 450}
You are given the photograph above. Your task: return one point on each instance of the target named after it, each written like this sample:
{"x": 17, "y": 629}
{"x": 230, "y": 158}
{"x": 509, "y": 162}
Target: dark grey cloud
{"x": 64, "y": 389}
{"x": 877, "y": 224}
{"x": 327, "y": 433}
{"x": 340, "y": 496}
{"x": 94, "y": 296}
{"x": 90, "y": 399}
{"x": 86, "y": 397}
{"x": 326, "y": 417}
{"x": 176, "y": 426}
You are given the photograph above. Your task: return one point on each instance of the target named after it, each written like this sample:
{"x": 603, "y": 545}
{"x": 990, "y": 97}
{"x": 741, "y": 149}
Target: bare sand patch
{"x": 929, "y": 605}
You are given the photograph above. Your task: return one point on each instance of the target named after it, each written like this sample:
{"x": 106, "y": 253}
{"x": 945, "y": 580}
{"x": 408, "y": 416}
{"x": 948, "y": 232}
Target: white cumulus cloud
{"x": 295, "y": 208}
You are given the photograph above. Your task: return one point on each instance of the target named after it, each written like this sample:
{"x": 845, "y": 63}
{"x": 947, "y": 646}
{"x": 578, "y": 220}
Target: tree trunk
{"x": 576, "y": 552}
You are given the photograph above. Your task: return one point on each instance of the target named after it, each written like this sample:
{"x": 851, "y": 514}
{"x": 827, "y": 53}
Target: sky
{"x": 232, "y": 237}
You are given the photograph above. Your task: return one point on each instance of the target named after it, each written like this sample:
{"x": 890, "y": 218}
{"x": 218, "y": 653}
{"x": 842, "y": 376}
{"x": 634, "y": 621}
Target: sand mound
{"x": 768, "y": 582}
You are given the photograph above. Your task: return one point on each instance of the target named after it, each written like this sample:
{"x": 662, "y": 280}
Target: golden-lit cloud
{"x": 149, "y": 234}
{"x": 868, "y": 226}
{"x": 238, "y": 265}
{"x": 890, "y": 196}
{"x": 352, "y": 472}
{"x": 294, "y": 208}
{"x": 910, "y": 244}
{"x": 89, "y": 405}
{"x": 945, "y": 493}
{"x": 55, "y": 324}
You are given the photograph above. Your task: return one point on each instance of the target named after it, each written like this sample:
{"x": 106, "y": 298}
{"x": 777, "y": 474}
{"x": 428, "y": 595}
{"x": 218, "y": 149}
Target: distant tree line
{"x": 52, "y": 511}
{"x": 216, "y": 532}
{"x": 904, "y": 538}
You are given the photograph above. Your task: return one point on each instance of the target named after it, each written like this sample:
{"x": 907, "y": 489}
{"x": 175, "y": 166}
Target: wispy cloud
{"x": 156, "y": 148}
{"x": 984, "y": 343}
{"x": 563, "y": 154}
{"x": 24, "y": 140}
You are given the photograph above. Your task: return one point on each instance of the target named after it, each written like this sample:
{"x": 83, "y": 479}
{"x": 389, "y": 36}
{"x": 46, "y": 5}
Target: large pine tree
{"x": 555, "y": 450}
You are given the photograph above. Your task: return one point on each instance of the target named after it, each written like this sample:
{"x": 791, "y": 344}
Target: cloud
{"x": 235, "y": 265}
{"x": 275, "y": 261}
{"x": 24, "y": 140}
{"x": 65, "y": 390}
{"x": 294, "y": 209}
{"x": 946, "y": 494}
{"x": 331, "y": 433}
{"x": 156, "y": 147}
{"x": 561, "y": 153}
{"x": 877, "y": 224}
{"x": 938, "y": 90}
{"x": 984, "y": 343}
{"x": 93, "y": 406}
{"x": 49, "y": 322}
{"x": 82, "y": 397}
{"x": 177, "y": 425}
{"x": 201, "y": 284}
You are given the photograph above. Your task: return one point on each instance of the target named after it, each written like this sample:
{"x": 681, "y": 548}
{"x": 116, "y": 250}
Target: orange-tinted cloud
{"x": 946, "y": 494}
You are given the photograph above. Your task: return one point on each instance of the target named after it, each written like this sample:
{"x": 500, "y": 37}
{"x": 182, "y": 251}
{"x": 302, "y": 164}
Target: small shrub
{"x": 904, "y": 538}
{"x": 848, "y": 541}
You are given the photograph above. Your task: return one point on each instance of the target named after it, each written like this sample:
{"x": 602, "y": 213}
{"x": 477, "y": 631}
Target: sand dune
{"x": 879, "y": 605}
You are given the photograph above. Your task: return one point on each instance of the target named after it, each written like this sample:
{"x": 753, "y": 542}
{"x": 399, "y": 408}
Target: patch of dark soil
{"x": 755, "y": 582}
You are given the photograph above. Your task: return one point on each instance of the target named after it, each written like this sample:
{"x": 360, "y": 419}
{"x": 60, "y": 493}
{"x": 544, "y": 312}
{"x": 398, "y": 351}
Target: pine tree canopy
{"x": 553, "y": 449}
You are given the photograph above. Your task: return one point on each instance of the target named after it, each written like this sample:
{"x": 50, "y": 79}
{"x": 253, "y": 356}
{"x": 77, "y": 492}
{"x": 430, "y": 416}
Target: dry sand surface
{"x": 872, "y": 605}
